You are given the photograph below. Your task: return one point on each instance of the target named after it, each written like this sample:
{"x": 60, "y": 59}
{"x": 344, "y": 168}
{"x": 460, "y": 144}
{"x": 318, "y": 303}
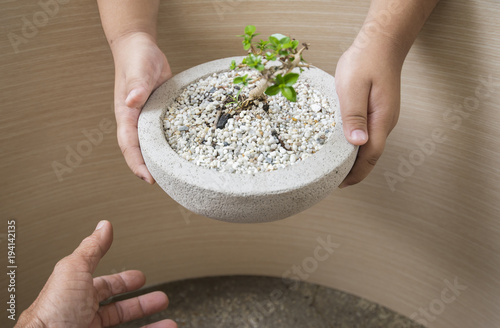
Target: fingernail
{"x": 131, "y": 95}
{"x": 100, "y": 225}
{"x": 343, "y": 185}
{"x": 358, "y": 136}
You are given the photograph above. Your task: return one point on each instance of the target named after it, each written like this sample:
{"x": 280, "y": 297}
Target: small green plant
{"x": 273, "y": 79}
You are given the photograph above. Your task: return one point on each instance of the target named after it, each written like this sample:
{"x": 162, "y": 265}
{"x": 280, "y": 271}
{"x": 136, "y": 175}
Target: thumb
{"x": 141, "y": 80}
{"x": 93, "y": 248}
{"x": 354, "y": 109}
{"x": 137, "y": 95}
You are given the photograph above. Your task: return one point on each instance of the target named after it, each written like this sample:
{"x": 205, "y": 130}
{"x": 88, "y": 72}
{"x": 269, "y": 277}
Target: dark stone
{"x": 222, "y": 121}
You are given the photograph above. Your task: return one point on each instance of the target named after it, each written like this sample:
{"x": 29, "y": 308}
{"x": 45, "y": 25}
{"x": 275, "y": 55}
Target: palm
{"x": 72, "y": 292}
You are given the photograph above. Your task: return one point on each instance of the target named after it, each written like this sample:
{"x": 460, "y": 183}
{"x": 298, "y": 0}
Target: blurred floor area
{"x": 265, "y": 302}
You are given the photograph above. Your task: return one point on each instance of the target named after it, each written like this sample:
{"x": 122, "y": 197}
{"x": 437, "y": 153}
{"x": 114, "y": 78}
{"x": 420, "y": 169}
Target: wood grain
{"x": 397, "y": 248}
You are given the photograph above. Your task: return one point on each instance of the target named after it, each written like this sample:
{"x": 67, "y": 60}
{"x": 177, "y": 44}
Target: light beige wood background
{"x": 397, "y": 248}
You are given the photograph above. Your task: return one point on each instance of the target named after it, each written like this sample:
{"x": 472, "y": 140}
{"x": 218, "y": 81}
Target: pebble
{"x": 248, "y": 142}
{"x": 315, "y": 107}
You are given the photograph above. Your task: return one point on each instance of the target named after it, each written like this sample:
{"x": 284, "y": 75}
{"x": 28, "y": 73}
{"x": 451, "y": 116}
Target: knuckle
{"x": 136, "y": 172}
{"x": 62, "y": 264}
{"x": 91, "y": 242}
{"x": 372, "y": 161}
{"x": 355, "y": 119}
{"x": 118, "y": 285}
{"x": 372, "y": 158}
{"x": 124, "y": 149}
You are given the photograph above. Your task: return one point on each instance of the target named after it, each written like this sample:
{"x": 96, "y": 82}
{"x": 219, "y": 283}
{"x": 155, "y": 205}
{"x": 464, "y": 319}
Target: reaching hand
{"x": 140, "y": 67}
{"x": 368, "y": 86}
{"x": 71, "y": 297}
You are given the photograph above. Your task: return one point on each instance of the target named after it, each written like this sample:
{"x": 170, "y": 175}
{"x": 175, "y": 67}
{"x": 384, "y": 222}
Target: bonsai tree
{"x": 272, "y": 79}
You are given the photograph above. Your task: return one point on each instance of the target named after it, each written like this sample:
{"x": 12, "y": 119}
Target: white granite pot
{"x": 239, "y": 197}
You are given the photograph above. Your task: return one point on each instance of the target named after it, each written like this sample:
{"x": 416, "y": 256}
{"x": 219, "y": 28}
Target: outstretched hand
{"x": 368, "y": 85}
{"x": 140, "y": 67}
{"x": 71, "y": 297}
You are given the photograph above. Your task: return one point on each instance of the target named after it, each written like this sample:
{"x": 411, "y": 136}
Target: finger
{"x": 353, "y": 100}
{"x": 128, "y": 140}
{"x": 366, "y": 160}
{"x": 118, "y": 283}
{"x": 162, "y": 324}
{"x": 92, "y": 249}
{"x": 132, "y": 309}
{"x": 381, "y": 123}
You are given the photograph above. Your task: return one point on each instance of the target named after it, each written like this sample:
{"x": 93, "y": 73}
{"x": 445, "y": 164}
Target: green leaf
{"x": 246, "y": 45}
{"x": 279, "y": 79}
{"x": 250, "y": 29}
{"x": 283, "y": 53}
{"x": 290, "y": 79}
{"x": 270, "y": 56}
{"x": 284, "y": 41}
{"x": 241, "y": 79}
{"x": 289, "y": 93}
{"x": 233, "y": 65}
{"x": 253, "y": 61}
{"x": 262, "y": 44}
{"x": 274, "y": 41}
{"x": 295, "y": 43}
{"x": 272, "y": 90}
{"x": 278, "y": 36}
{"x": 260, "y": 67}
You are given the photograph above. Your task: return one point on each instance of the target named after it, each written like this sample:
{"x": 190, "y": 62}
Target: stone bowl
{"x": 240, "y": 197}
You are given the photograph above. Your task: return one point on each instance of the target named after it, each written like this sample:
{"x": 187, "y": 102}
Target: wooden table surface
{"x": 401, "y": 245}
